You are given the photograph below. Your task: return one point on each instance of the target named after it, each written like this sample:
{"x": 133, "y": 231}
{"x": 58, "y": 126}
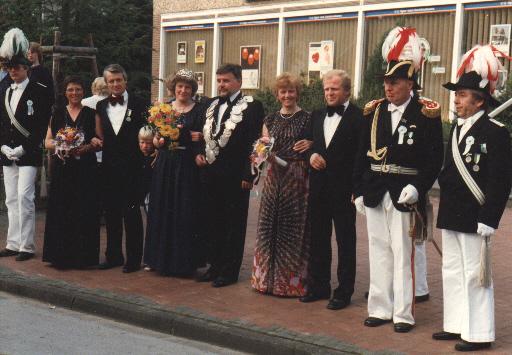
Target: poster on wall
{"x": 181, "y": 52}
{"x": 250, "y": 60}
{"x": 500, "y": 38}
{"x": 320, "y": 59}
{"x": 200, "y": 82}
{"x": 200, "y": 51}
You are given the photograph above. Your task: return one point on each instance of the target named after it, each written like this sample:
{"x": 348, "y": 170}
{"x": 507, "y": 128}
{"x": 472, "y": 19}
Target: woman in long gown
{"x": 72, "y": 232}
{"x": 282, "y": 244}
{"x": 172, "y": 235}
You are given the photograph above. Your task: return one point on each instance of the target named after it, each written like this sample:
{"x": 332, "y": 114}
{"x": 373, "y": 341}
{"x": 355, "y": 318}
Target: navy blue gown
{"x": 173, "y": 244}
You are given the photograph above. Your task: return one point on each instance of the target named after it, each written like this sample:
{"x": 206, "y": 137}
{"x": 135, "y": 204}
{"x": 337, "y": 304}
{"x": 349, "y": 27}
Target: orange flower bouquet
{"x": 67, "y": 138}
{"x": 166, "y": 122}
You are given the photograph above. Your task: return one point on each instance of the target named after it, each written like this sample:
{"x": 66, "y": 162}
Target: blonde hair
{"x": 146, "y": 132}
{"x": 99, "y": 87}
{"x": 288, "y": 80}
{"x": 346, "y": 83}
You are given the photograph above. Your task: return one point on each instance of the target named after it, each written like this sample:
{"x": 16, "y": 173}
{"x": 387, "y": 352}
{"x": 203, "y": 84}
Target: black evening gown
{"x": 173, "y": 245}
{"x": 72, "y": 232}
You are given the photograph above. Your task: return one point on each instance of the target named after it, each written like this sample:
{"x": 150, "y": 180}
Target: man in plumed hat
{"x": 475, "y": 184}
{"x": 400, "y": 157}
{"x": 24, "y": 116}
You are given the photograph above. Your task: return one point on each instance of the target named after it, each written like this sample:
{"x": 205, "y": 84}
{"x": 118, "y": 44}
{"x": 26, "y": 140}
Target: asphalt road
{"x": 31, "y": 327}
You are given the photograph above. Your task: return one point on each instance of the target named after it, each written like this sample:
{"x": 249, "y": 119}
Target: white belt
{"x": 393, "y": 169}
{"x": 180, "y": 147}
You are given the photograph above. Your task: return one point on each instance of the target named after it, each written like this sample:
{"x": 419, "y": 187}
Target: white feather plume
{"x": 410, "y": 50}
{"x": 14, "y": 43}
{"x": 482, "y": 60}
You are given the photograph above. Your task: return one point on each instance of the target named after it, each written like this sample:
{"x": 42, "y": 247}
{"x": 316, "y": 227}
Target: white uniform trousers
{"x": 391, "y": 256}
{"x": 20, "y": 188}
{"x": 420, "y": 269}
{"x": 468, "y": 307}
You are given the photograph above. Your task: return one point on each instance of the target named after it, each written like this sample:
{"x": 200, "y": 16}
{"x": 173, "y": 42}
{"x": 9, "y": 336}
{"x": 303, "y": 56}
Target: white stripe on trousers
{"x": 420, "y": 269}
{"x": 391, "y": 270}
{"x": 19, "y": 184}
{"x": 468, "y": 307}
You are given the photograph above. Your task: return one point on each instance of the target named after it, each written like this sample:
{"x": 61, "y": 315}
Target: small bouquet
{"x": 165, "y": 121}
{"x": 261, "y": 151}
{"x": 66, "y": 139}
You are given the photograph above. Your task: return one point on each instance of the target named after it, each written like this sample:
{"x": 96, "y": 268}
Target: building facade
{"x": 268, "y": 37}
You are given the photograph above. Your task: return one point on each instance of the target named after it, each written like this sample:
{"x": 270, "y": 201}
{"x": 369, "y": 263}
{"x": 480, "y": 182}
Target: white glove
{"x": 359, "y": 202}
{"x": 409, "y": 195}
{"x": 18, "y": 152}
{"x": 484, "y": 230}
{"x": 7, "y": 151}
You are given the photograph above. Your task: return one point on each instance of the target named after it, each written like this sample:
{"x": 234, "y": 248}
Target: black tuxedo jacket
{"x": 458, "y": 209}
{"x": 336, "y": 179}
{"x": 122, "y": 158}
{"x": 36, "y": 123}
{"x": 424, "y": 153}
{"x": 233, "y": 159}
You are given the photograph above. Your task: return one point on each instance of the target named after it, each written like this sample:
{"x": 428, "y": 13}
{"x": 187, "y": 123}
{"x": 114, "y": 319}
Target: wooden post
{"x": 56, "y": 64}
{"x": 94, "y": 64}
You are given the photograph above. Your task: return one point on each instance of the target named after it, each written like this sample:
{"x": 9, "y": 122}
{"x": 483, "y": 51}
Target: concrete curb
{"x": 181, "y": 322}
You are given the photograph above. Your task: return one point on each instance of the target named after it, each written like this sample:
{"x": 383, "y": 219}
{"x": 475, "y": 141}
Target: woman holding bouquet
{"x": 280, "y": 258}
{"x": 172, "y": 246}
{"x": 72, "y": 233}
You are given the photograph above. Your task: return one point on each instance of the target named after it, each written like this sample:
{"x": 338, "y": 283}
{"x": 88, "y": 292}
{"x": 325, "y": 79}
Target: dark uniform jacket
{"x": 421, "y": 149}
{"x": 336, "y": 179}
{"x": 34, "y": 120}
{"x": 233, "y": 161}
{"x": 122, "y": 158}
{"x": 489, "y": 163}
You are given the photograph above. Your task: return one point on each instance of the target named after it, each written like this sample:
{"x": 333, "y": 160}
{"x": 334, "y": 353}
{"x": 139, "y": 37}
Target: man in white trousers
{"x": 399, "y": 160}
{"x": 24, "y": 116}
{"x": 475, "y": 184}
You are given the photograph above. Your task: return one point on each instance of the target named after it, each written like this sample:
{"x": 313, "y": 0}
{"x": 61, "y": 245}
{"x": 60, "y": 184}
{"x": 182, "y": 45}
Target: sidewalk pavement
{"x": 240, "y": 318}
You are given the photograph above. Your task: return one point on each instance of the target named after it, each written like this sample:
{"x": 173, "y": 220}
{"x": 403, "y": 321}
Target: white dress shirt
{"x": 466, "y": 123}
{"x": 330, "y": 125}
{"x": 396, "y": 113}
{"x": 223, "y": 109}
{"x": 92, "y": 101}
{"x": 17, "y": 91}
{"x": 116, "y": 113}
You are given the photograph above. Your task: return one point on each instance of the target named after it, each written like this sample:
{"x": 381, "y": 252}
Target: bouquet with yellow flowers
{"x": 166, "y": 122}
{"x": 66, "y": 139}
{"x": 262, "y": 151}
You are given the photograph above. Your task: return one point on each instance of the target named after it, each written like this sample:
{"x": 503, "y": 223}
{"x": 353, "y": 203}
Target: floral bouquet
{"x": 261, "y": 151}
{"x": 68, "y": 138}
{"x": 165, "y": 121}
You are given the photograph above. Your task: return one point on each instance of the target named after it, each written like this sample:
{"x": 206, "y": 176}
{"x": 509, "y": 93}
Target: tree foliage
{"x": 121, "y": 31}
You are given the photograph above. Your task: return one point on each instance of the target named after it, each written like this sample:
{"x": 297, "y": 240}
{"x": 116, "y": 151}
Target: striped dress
{"x": 281, "y": 254}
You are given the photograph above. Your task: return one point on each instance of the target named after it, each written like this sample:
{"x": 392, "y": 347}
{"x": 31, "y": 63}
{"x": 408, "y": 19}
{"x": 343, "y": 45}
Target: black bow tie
{"x": 223, "y": 100}
{"x": 114, "y": 100}
{"x": 331, "y": 110}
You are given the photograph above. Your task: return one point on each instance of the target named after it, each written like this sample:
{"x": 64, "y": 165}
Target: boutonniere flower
{"x": 30, "y": 107}
{"x": 128, "y": 115}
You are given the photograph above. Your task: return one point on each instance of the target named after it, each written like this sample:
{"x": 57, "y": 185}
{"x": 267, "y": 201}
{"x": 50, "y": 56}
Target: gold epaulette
{"x": 371, "y": 106}
{"x": 431, "y": 108}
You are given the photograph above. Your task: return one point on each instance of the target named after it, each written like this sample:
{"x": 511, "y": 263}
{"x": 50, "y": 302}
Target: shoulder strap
{"x": 13, "y": 119}
{"x": 463, "y": 171}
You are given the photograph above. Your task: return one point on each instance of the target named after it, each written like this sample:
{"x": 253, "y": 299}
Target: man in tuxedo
{"x": 24, "y": 117}
{"x": 122, "y": 116}
{"x": 474, "y": 189}
{"x": 399, "y": 159}
{"x": 335, "y": 133}
{"x": 233, "y": 123}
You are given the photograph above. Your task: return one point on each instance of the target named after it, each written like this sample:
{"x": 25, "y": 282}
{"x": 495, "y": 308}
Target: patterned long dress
{"x": 280, "y": 258}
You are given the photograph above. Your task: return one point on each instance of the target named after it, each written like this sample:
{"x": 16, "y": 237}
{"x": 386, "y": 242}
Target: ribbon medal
{"x": 483, "y": 148}
{"x": 469, "y": 158}
{"x": 30, "y": 107}
{"x": 476, "y": 167}
{"x": 401, "y": 133}
{"x": 128, "y": 115}
{"x": 469, "y": 142}
{"x": 410, "y": 141}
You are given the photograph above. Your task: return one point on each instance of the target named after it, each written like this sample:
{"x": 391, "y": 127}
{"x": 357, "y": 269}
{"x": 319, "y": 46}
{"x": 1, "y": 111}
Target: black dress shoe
{"x": 106, "y": 265}
{"x": 445, "y": 336}
{"x": 422, "y": 298}
{"x": 222, "y": 282}
{"x": 23, "y": 255}
{"x": 208, "y": 276}
{"x": 313, "y": 297}
{"x": 375, "y": 322}
{"x": 8, "y": 252}
{"x": 469, "y": 346}
{"x": 128, "y": 269}
{"x": 403, "y": 327}
{"x": 338, "y": 303}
